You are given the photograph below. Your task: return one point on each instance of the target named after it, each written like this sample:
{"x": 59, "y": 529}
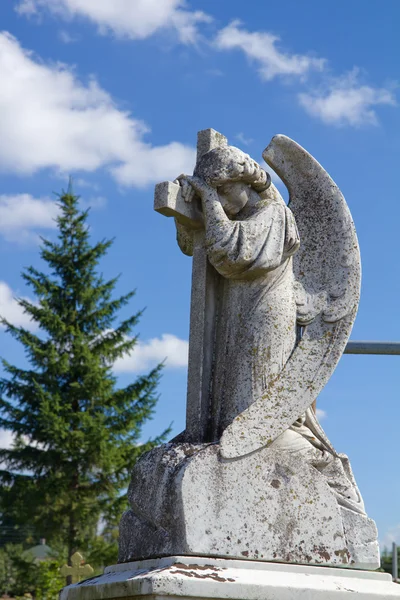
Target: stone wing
{"x": 328, "y": 274}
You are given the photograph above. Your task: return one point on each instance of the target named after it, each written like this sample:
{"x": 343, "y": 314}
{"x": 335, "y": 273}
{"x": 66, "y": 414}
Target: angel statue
{"x": 256, "y": 476}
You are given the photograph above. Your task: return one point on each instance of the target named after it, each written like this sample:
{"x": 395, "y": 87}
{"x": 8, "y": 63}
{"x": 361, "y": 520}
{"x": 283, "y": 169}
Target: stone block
{"x": 270, "y": 505}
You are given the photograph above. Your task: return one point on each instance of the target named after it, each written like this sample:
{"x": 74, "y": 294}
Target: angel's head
{"x": 235, "y": 175}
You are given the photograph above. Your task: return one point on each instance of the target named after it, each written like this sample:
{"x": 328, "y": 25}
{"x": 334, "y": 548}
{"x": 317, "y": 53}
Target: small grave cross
{"x": 77, "y": 570}
{"x": 168, "y": 201}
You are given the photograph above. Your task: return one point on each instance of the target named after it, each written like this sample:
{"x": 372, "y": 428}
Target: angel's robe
{"x": 256, "y": 321}
{"x": 256, "y": 332}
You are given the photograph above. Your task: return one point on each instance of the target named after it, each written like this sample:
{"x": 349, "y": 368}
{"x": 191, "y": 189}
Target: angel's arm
{"x": 242, "y": 249}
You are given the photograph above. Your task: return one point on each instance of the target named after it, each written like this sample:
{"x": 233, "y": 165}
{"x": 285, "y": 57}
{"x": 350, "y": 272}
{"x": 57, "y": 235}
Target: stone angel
{"x": 251, "y": 239}
{"x": 287, "y": 289}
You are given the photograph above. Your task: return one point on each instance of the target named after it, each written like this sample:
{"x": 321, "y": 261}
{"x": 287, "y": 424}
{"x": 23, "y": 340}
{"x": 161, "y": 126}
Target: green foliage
{"x": 21, "y": 575}
{"x": 48, "y": 581}
{"x": 10, "y": 575}
{"x": 102, "y": 550}
{"x": 77, "y": 433}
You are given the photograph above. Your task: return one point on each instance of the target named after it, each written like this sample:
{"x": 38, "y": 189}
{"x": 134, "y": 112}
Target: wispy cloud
{"x": 246, "y": 141}
{"x": 67, "y": 38}
{"x": 262, "y": 48}
{"x": 21, "y": 215}
{"x": 11, "y": 310}
{"x": 390, "y": 536}
{"x": 148, "y": 354}
{"x": 346, "y": 101}
{"x": 52, "y": 120}
{"x": 321, "y": 414}
{"x": 81, "y": 182}
{"x": 135, "y": 19}
{"x": 343, "y": 100}
{"x": 93, "y": 202}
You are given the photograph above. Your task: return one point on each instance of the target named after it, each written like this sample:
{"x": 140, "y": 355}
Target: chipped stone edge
{"x": 205, "y": 577}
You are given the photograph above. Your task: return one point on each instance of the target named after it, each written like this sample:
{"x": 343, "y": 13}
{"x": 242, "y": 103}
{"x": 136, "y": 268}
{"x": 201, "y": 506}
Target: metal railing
{"x": 387, "y": 348}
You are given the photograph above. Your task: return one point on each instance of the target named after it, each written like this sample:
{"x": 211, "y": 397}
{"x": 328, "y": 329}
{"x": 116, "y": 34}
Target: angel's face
{"x": 233, "y": 196}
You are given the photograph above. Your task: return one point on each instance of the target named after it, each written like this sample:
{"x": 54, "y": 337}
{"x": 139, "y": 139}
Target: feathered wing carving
{"x": 327, "y": 271}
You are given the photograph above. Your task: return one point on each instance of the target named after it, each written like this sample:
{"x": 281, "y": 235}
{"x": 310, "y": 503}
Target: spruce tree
{"x": 77, "y": 433}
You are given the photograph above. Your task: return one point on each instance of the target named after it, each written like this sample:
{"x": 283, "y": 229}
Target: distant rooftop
{"x": 39, "y": 552}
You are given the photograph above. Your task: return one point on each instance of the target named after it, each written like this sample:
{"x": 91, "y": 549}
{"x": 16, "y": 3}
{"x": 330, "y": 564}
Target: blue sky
{"x": 114, "y": 93}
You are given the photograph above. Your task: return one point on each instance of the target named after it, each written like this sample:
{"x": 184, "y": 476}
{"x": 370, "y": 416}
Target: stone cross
{"x": 168, "y": 201}
{"x": 76, "y": 571}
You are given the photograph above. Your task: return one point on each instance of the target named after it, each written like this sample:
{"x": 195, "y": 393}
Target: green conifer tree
{"x": 77, "y": 434}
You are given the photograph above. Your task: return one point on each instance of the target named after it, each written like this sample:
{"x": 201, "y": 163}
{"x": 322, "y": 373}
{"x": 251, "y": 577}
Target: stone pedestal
{"x": 267, "y": 506}
{"x": 194, "y": 578}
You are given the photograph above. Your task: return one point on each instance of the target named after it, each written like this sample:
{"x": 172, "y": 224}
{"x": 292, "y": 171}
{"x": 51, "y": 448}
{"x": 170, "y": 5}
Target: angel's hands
{"x": 198, "y": 186}
{"x": 188, "y": 192}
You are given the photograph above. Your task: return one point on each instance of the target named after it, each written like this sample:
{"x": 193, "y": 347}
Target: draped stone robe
{"x": 256, "y": 320}
{"x": 256, "y": 332}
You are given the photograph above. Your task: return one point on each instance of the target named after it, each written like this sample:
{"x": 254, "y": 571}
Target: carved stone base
{"x": 194, "y": 578}
{"x": 267, "y": 506}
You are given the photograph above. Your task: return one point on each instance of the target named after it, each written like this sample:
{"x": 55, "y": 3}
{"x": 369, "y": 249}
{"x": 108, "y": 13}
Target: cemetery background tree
{"x": 76, "y": 433}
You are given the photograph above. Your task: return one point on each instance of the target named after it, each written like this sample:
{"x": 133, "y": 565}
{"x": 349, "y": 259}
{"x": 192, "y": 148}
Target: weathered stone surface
{"x": 270, "y": 505}
{"x": 275, "y": 291}
{"x": 168, "y": 201}
{"x": 195, "y": 577}
{"x": 327, "y": 277}
{"x": 177, "y": 199}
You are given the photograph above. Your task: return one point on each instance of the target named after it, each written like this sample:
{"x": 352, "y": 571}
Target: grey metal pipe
{"x": 388, "y": 348}
{"x": 394, "y": 562}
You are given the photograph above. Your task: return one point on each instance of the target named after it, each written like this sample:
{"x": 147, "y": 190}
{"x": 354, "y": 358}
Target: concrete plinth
{"x": 187, "y": 500}
{"x": 194, "y": 578}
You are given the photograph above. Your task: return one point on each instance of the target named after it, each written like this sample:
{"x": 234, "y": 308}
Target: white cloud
{"x": 261, "y": 47}
{"x": 246, "y": 141}
{"x": 6, "y": 439}
{"x": 152, "y": 164}
{"x": 148, "y": 354}
{"x": 391, "y": 535}
{"x": 20, "y": 213}
{"x": 26, "y": 7}
{"x": 11, "y": 310}
{"x": 135, "y": 19}
{"x": 49, "y": 119}
{"x": 67, "y": 38}
{"x": 93, "y": 202}
{"x": 84, "y": 183}
{"x": 321, "y": 414}
{"x": 345, "y": 101}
